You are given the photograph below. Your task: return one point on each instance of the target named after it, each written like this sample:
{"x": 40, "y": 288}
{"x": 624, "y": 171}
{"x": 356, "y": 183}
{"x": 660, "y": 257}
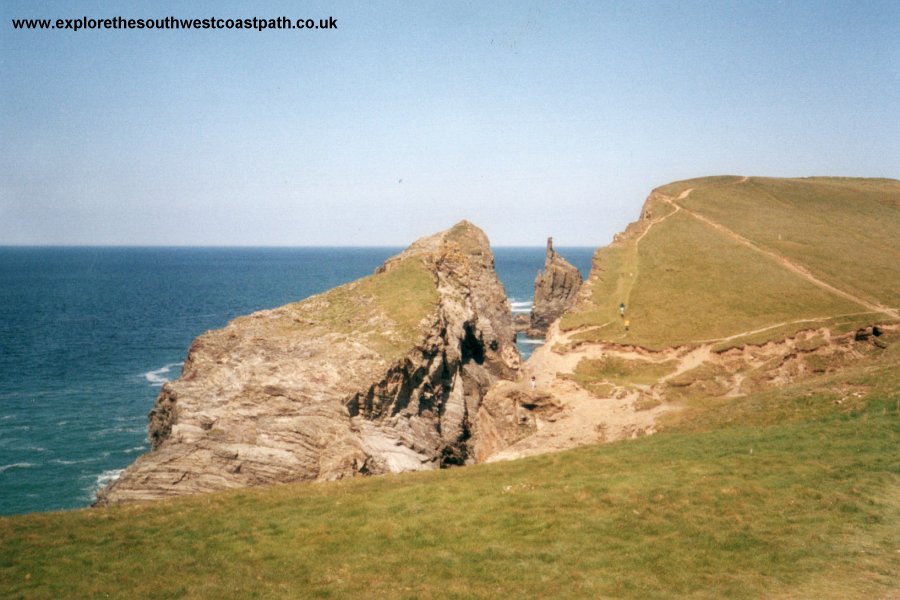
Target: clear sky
{"x": 528, "y": 118}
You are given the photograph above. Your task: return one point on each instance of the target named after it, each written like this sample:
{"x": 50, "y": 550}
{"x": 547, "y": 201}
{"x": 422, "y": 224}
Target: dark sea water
{"x": 88, "y": 335}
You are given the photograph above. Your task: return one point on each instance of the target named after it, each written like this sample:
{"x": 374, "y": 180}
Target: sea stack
{"x": 384, "y": 374}
{"x": 555, "y": 290}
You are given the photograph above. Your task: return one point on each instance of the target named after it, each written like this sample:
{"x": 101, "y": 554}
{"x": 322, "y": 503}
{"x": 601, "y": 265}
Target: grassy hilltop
{"x": 791, "y": 491}
{"x": 747, "y": 259}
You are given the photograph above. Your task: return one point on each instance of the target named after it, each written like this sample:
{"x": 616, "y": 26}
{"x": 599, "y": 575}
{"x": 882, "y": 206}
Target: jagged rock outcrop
{"x": 555, "y": 290}
{"x": 521, "y": 322}
{"x": 511, "y": 412}
{"x": 384, "y": 374}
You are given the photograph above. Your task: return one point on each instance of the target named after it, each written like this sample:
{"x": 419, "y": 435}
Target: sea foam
{"x": 521, "y": 307}
{"x": 62, "y": 461}
{"x": 159, "y": 376}
{"x": 19, "y": 465}
{"x": 104, "y": 479}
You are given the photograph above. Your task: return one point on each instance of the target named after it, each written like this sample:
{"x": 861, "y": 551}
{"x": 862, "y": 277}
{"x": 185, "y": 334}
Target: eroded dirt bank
{"x": 600, "y": 392}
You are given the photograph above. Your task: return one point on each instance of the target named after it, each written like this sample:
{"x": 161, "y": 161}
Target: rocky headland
{"x": 384, "y": 374}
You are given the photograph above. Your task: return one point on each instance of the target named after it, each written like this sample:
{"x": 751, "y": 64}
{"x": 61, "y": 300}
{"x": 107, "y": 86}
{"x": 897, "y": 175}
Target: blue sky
{"x": 528, "y": 118}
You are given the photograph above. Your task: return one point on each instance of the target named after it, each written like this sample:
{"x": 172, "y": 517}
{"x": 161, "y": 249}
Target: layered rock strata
{"x": 555, "y": 291}
{"x": 385, "y": 374}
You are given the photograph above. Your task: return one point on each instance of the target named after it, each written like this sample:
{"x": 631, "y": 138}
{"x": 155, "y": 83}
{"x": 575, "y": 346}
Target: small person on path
{"x": 622, "y": 309}
{"x": 627, "y": 323}
{"x": 533, "y": 383}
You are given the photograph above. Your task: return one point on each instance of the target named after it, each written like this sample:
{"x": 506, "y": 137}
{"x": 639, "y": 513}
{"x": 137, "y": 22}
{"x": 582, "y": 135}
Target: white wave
{"x": 135, "y": 449}
{"x": 104, "y": 479}
{"x": 159, "y": 376}
{"x": 529, "y": 341}
{"x": 130, "y": 418}
{"x": 520, "y": 308}
{"x": 102, "y": 433}
{"x": 22, "y": 465}
{"x": 62, "y": 461}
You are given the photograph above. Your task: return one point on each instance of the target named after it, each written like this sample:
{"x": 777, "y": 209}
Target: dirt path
{"x": 784, "y": 262}
{"x": 565, "y": 338}
{"x": 777, "y": 325}
{"x": 650, "y": 225}
{"x": 635, "y": 267}
{"x": 691, "y": 360}
{"x": 588, "y": 419}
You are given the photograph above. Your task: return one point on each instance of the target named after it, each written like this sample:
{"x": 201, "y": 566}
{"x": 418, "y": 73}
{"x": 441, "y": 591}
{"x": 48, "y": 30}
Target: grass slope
{"x": 405, "y": 294}
{"x": 383, "y": 310}
{"x": 783, "y": 494}
{"x": 684, "y": 281}
{"x": 844, "y": 230}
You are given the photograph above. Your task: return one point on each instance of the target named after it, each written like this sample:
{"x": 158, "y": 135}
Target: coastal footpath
{"x": 724, "y": 288}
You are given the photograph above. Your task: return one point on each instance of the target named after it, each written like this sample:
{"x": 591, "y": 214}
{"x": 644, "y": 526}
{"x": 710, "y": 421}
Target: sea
{"x": 88, "y": 335}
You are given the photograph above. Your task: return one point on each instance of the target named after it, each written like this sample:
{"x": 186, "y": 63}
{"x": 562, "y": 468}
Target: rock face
{"x": 511, "y": 412}
{"x": 522, "y": 322}
{"x": 384, "y": 374}
{"x": 555, "y": 290}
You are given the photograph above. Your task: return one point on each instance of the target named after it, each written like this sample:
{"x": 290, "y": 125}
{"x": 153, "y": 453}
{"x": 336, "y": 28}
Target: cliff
{"x": 384, "y": 374}
{"x": 555, "y": 290}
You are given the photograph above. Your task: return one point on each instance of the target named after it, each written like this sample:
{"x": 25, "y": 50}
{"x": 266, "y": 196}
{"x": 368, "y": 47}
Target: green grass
{"x": 844, "y": 230}
{"x": 384, "y": 310}
{"x": 781, "y": 494}
{"x": 620, "y": 371}
{"x": 466, "y": 235}
{"x": 675, "y": 188}
{"x": 685, "y": 282}
{"x": 693, "y": 283}
{"x": 702, "y": 381}
{"x": 613, "y": 272}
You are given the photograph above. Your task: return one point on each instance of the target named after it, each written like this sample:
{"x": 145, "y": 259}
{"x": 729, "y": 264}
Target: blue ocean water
{"x": 88, "y": 335}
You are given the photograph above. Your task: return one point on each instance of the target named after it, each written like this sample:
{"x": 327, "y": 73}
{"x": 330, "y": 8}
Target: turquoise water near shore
{"x": 88, "y": 335}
